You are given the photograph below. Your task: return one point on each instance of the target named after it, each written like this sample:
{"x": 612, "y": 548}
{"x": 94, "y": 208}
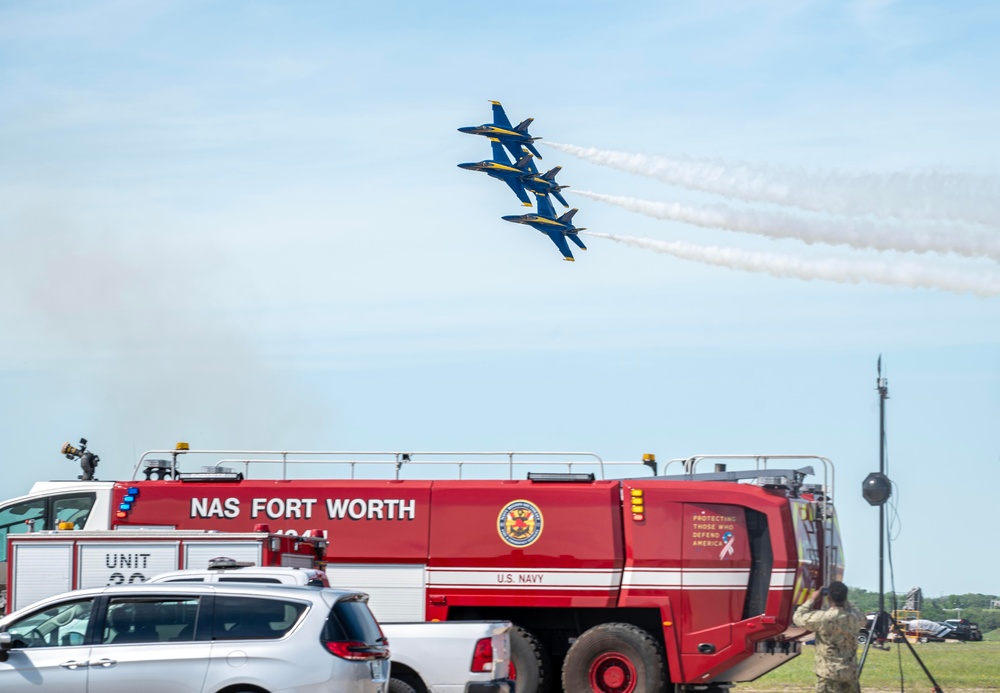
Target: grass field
{"x": 957, "y": 667}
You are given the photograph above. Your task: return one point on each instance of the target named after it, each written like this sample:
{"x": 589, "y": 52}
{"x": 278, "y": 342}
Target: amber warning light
{"x": 638, "y": 506}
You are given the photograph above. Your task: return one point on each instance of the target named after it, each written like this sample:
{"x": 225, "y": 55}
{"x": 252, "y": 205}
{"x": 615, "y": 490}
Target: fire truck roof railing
{"x": 265, "y": 461}
{"x": 760, "y": 463}
{"x": 270, "y": 464}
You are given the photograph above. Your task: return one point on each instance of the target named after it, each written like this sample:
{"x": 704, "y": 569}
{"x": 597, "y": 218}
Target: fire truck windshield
{"x": 43, "y": 513}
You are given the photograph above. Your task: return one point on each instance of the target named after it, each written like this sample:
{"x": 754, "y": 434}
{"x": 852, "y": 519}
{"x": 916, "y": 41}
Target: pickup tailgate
{"x": 443, "y": 653}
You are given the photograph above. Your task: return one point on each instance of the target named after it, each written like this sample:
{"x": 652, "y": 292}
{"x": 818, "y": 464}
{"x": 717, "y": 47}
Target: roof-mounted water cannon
{"x": 88, "y": 460}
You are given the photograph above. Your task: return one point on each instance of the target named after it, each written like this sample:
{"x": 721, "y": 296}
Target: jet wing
{"x": 499, "y": 154}
{"x": 499, "y": 117}
{"x": 545, "y": 206}
{"x": 519, "y": 190}
{"x": 513, "y": 146}
{"x": 560, "y": 240}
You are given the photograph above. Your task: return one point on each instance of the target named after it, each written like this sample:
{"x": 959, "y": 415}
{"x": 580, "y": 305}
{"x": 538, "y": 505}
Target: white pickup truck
{"x": 442, "y": 657}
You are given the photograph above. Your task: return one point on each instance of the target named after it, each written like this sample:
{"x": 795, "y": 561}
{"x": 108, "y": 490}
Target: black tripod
{"x": 876, "y": 489}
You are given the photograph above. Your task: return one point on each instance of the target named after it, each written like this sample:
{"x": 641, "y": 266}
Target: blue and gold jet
{"x": 556, "y": 228}
{"x": 545, "y": 183}
{"x": 501, "y": 168}
{"x": 521, "y": 175}
{"x": 511, "y": 137}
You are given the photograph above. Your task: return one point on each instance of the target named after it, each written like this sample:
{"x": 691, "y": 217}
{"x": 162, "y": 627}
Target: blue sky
{"x": 241, "y": 224}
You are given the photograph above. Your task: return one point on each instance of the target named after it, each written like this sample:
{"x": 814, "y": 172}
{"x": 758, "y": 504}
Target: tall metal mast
{"x": 882, "y": 385}
{"x": 876, "y": 489}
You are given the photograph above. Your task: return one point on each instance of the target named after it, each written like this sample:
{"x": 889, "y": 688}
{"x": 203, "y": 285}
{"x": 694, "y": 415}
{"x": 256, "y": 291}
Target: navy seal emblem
{"x": 520, "y": 523}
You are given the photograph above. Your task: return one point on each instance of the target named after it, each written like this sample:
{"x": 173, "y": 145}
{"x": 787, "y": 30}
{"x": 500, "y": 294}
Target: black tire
{"x": 400, "y": 686}
{"x": 862, "y": 638}
{"x": 614, "y": 658}
{"x": 531, "y": 668}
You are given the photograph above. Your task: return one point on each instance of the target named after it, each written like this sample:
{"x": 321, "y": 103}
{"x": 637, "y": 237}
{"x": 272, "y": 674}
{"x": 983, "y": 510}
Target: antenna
{"x": 876, "y": 489}
{"x": 882, "y": 385}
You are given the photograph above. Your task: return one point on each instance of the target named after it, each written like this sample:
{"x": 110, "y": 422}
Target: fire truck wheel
{"x": 614, "y": 658}
{"x": 400, "y": 686}
{"x": 529, "y": 662}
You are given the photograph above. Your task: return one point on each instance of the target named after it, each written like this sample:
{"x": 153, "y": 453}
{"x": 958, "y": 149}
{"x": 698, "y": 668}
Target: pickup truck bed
{"x": 437, "y": 657}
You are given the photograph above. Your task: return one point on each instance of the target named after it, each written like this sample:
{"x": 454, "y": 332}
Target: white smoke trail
{"x": 830, "y": 269}
{"x": 915, "y": 237}
{"x": 919, "y": 195}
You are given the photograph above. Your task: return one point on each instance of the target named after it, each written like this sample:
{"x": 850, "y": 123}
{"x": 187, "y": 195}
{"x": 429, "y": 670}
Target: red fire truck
{"x": 627, "y": 585}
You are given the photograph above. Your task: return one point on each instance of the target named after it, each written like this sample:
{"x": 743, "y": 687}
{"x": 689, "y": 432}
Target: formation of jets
{"x": 522, "y": 176}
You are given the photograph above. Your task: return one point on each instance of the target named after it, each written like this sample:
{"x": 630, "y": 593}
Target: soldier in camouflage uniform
{"x": 836, "y": 632}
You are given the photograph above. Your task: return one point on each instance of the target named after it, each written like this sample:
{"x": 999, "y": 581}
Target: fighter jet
{"x": 511, "y": 137}
{"x": 501, "y": 168}
{"x": 556, "y": 228}
{"x": 545, "y": 183}
{"x": 521, "y": 175}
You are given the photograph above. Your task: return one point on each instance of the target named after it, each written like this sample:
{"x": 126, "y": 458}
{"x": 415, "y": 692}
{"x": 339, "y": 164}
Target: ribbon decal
{"x": 728, "y": 549}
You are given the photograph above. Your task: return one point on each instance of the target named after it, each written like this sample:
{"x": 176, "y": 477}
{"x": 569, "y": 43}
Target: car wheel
{"x": 862, "y": 638}
{"x": 400, "y": 686}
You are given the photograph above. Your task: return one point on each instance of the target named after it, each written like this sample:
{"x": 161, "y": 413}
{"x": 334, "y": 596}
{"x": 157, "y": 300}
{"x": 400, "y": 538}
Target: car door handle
{"x": 104, "y": 663}
{"x": 73, "y": 664}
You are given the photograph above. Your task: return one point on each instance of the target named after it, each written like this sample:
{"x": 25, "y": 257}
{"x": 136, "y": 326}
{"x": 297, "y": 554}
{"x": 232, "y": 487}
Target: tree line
{"x": 975, "y": 607}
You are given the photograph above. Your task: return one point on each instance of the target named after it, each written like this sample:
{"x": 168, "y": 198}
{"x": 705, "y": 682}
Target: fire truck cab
{"x": 637, "y": 584}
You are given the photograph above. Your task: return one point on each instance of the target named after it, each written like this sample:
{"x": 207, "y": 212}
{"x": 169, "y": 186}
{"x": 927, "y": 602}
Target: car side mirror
{"x": 6, "y": 642}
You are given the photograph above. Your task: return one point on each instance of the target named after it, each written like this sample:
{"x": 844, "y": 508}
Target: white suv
{"x": 195, "y": 638}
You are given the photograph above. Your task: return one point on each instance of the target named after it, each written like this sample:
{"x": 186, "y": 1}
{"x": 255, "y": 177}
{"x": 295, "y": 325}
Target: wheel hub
{"x": 612, "y": 672}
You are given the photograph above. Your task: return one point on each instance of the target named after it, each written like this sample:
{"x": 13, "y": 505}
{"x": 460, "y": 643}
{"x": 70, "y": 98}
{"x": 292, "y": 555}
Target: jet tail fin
{"x": 524, "y": 162}
{"x": 551, "y": 174}
{"x": 576, "y": 239}
{"x": 567, "y": 218}
{"x": 558, "y": 195}
{"x": 523, "y": 125}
